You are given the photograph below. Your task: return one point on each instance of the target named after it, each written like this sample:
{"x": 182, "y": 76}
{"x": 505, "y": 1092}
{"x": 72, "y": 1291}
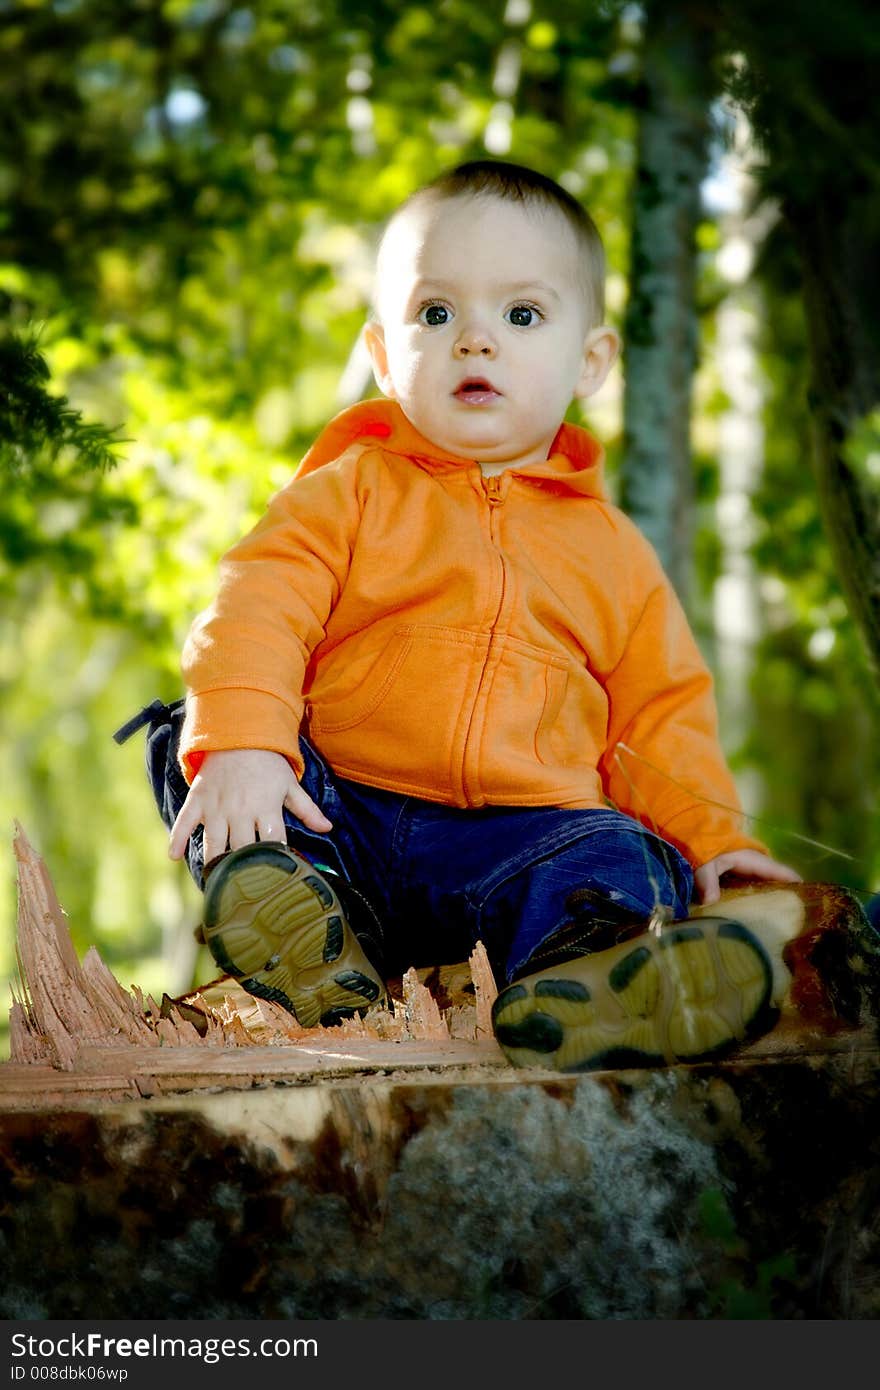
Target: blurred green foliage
{"x": 56, "y": 504}
{"x": 192, "y": 191}
{"x": 815, "y": 697}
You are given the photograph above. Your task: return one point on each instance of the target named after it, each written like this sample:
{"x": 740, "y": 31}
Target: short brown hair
{"x": 495, "y": 178}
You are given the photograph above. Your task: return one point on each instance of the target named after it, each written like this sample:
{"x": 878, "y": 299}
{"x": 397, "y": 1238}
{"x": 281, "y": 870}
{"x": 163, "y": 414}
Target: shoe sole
{"x": 694, "y": 992}
{"x": 274, "y": 923}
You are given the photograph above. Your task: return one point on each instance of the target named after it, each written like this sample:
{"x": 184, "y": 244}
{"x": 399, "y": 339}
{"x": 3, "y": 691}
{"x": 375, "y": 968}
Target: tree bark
{"x": 660, "y": 322}
{"x": 822, "y": 137}
{"x": 839, "y": 260}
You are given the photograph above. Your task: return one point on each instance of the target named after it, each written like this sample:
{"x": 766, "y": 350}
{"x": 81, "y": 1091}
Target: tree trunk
{"x": 660, "y": 323}
{"x": 218, "y": 1160}
{"x": 839, "y": 257}
{"x": 807, "y": 104}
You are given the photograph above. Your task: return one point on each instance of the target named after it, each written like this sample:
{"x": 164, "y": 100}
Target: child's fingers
{"x": 272, "y": 827}
{"x": 188, "y": 817}
{"x": 748, "y": 862}
{"x": 242, "y": 831}
{"x": 234, "y": 799}
{"x": 215, "y": 837}
{"x": 707, "y": 880}
{"x": 758, "y": 865}
{"x": 304, "y": 808}
{"x": 781, "y": 873}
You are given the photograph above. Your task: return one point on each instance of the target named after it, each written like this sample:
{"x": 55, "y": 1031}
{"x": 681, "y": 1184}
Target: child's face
{"x": 485, "y": 331}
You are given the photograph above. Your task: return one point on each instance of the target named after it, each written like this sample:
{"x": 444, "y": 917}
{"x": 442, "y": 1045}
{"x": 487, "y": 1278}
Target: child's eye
{"x": 434, "y": 315}
{"x": 523, "y": 315}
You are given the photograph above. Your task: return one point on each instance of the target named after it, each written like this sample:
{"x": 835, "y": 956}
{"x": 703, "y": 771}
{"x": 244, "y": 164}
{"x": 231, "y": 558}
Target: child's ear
{"x": 374, "y": 337}
{"x": 601, "y": 348}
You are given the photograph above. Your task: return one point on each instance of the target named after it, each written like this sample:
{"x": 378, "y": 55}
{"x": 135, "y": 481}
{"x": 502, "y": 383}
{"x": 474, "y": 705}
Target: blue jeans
{"x": 441, "y": 878}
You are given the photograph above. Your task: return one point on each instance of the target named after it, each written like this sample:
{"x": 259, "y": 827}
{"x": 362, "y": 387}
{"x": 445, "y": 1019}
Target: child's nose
{"x": 473, "y": 340}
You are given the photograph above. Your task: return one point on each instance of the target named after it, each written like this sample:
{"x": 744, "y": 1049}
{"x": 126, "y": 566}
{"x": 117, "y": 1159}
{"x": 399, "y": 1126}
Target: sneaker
{"x": 697, "y": 990}
{"x": 276, "y": 924}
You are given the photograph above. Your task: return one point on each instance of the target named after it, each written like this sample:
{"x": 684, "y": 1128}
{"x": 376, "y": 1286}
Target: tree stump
{"x": 207, "y": 1157}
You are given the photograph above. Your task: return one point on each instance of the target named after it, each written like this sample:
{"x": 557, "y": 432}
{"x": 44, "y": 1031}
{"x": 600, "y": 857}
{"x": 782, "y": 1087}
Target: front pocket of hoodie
{"x": 555, "y": 687}
{"x": 351, "y": 708}
{"x": 436, "y": 713}
{"x": 515, "y": 725}
{"x": 403, "y": 722}
{"x": 571, "y": 731}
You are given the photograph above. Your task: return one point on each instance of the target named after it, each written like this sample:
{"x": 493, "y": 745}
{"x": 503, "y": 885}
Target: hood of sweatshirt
{"x": 575, "y": 463}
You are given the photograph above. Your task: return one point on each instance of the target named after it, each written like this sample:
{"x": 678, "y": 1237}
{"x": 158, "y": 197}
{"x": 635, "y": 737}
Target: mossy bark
{"x": 735, "y": 1190}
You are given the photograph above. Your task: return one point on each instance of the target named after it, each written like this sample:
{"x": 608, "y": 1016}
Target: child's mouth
{"x": 476, "y": 391}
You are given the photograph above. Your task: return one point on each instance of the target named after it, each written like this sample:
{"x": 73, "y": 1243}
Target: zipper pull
{"x": 492, "y": 486}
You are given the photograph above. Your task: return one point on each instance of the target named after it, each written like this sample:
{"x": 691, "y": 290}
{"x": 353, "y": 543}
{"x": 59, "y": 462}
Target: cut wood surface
{"x": 75, "y": 1031}
{"x": 214, "y": 1159}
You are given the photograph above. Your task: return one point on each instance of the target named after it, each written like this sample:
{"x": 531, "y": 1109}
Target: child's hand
{"x": 237, "y": 794}
{"x": 749, "y": 862}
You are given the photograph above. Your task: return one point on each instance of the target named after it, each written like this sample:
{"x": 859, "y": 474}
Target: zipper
{"x": 492, "y": 490}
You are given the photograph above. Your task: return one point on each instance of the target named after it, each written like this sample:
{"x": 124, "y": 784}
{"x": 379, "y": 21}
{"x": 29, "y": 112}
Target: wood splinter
{"x": 63, "y": 1006}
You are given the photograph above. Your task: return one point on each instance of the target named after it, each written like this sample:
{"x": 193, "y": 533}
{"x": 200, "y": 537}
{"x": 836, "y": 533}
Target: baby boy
{"x": 445, "y": 692}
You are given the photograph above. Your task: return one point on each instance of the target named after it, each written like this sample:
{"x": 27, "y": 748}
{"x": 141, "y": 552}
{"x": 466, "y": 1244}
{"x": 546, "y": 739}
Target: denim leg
{"x": 615, "y": 858}
{"x": 326, "y": 849}
{"x": 363, "y": 820}
{"x": 440, "y": 878}
{"x": 504, "y": 875}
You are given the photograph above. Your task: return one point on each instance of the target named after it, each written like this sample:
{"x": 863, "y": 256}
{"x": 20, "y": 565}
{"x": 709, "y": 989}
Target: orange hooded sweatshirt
{"x": 506, "y": 641}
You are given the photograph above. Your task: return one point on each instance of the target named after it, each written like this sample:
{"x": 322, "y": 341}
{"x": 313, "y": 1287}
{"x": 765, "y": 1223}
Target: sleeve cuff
{"x": 220, "y": 720}
{"x": 703, "y": 832}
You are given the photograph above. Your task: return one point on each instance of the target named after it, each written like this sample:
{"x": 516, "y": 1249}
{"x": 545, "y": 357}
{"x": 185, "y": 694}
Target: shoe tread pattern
{"x": 695, "y": 992}
{"x": 276, "y": 925}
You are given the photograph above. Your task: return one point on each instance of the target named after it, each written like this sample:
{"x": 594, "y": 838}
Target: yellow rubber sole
{"x": 274, "y": 922}
{"x": 696, "y": 991}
